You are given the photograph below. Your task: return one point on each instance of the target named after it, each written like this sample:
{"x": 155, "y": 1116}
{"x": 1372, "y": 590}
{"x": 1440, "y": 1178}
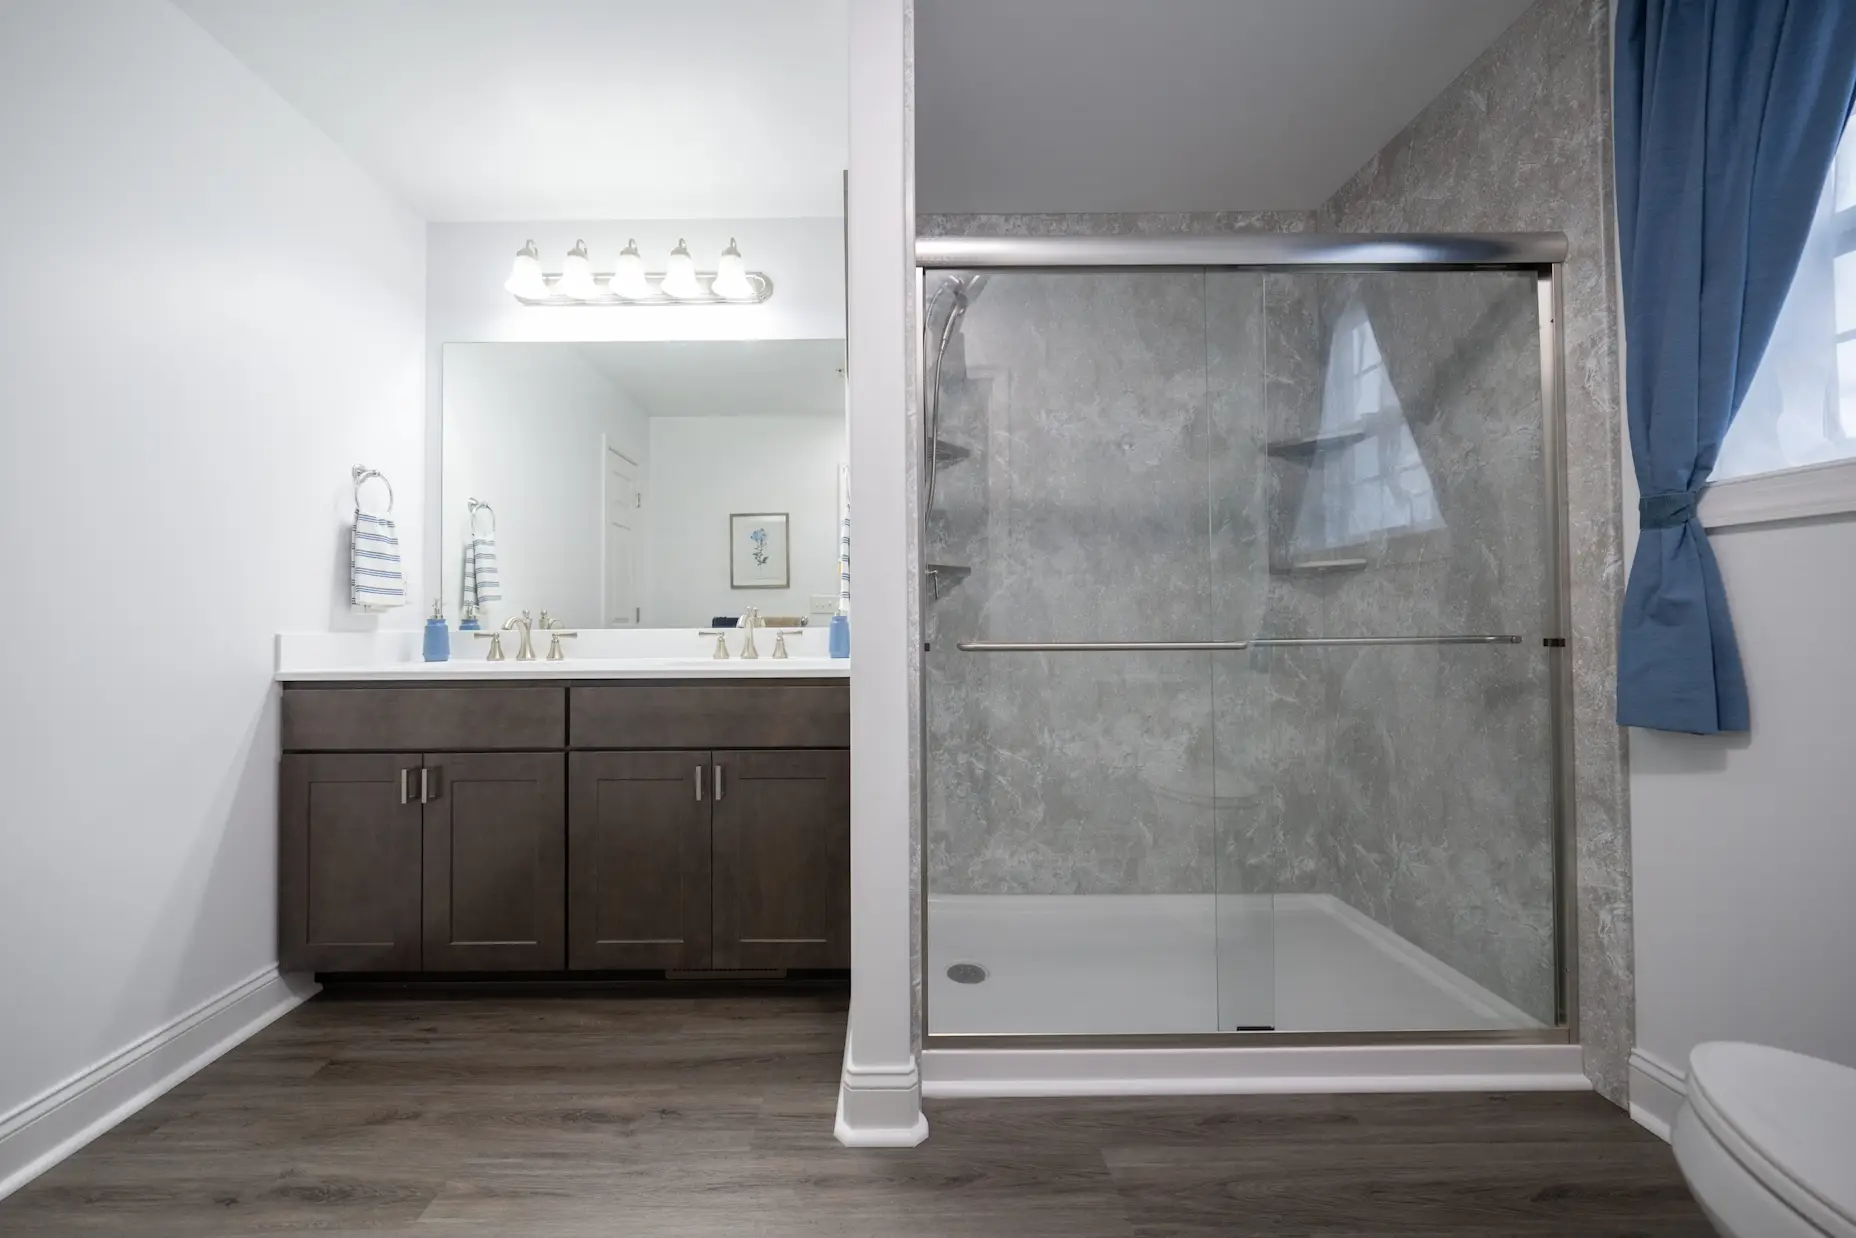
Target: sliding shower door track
{"x": 1258, "y": 1040}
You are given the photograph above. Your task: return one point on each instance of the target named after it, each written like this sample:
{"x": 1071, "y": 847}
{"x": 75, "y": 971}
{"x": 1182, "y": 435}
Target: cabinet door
{"x": 495, "y": 861}
{"x": 638, "y": 854}
{"x": 348, "y": 863}
{"x": 782, "y": 859}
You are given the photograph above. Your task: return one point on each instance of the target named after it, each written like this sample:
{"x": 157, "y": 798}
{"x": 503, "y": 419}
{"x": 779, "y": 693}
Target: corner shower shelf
{"x": 946, "y": 453}
{"x": 952, "y": 573}
{"x": 1308, "y": 445}
{"x": 1318, "y": 567}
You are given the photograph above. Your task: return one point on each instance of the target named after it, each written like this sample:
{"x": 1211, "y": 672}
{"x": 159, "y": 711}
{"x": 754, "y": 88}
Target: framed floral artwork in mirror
{"x": 758, "y": 551}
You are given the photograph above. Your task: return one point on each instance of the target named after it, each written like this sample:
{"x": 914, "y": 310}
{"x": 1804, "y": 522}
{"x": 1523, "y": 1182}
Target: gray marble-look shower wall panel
{"x": 1523, "y": 140}
{"x": 1096, "y": 455}
{"x": 1264, "y": 373}
{"x": 1444, "y": 804}
{"x": 1082, "y": 512}
{"x": 1080, "y": 775}
{"x": 1453, "y": 870}
{"x": 1237, "y": 328}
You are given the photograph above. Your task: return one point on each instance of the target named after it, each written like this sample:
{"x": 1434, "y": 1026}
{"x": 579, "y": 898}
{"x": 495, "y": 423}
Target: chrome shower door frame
{"x": 1543, "y": 254}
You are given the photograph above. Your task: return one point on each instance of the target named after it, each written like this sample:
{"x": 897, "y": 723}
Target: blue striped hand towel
{"x": 480, "y": 583}
{"x": 374, "y": 580}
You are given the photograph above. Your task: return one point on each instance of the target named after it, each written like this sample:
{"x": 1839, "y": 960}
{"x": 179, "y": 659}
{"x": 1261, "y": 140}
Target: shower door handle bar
{"x": 1103, "y": 646}
{"x": 1228, "y": 646}
{"x": 1296, "y": 642}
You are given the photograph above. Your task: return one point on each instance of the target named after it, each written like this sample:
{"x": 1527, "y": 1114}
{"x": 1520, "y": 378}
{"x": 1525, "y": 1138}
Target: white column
{"x": 879, "y": 1101}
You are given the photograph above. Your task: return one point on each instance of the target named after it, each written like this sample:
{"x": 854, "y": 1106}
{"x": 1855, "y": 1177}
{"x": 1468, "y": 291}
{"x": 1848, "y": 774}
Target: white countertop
{"x": 476, "y": 669}
{"x": 652, "y": 653}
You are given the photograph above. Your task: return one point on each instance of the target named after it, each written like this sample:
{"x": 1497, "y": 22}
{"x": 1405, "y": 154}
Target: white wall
{"x": 208, "y": 315}
{"x": 525, "y": 431}
{"x": 1744, "y": 847}
{"x": 468, "y": 262}
{"x": 879, "y": 1100}
{"x": 702, "y": 469}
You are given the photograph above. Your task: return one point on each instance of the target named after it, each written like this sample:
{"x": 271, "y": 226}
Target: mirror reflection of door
{"x": 622, "y": 507}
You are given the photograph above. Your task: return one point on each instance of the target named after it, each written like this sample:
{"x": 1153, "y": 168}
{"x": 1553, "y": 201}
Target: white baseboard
{"x": 879, "y": 1107}
{"x": 45, "y": 1130}
{"x": 1228, "y": 1070}
{"x": 1657, "y": 1091}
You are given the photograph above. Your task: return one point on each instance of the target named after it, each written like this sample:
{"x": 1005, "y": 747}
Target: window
{"x": 1366, "y": 476}
{"x": 1801, "y": 408}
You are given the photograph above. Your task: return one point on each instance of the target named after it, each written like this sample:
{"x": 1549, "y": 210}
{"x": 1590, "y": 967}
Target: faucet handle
{"x": 779, "y": 640}
{"x": 721, "y": 643}
{"x": 555, "y": 652}
{"x": 496, "y": 645}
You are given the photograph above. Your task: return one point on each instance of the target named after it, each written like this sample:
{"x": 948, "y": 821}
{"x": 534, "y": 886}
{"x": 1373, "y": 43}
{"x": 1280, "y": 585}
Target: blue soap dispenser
{"x": 840, "y": 637}
{"x": 437, "y": 635}
{"x": 470, "y": 623}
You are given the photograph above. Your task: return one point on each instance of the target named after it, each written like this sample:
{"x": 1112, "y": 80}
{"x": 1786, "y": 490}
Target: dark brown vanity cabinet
{"x": 427, "y": 862}
{"x": 495, "y": 862}
{"x": 638, "y": 889}
{"x": 468, "y": 857}
{"x": 781, "y": 823}
{"x": 693, "y": 859}
{"x": 348, "y": 863}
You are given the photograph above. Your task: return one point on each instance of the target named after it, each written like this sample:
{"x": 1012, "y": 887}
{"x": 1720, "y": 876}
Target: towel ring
{"x": 362, "y": 474}
{"x": 478, "y": 505}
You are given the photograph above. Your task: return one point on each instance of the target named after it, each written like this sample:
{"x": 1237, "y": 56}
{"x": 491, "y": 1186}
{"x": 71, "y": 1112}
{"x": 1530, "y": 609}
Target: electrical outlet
{"x": 824, "y": 603}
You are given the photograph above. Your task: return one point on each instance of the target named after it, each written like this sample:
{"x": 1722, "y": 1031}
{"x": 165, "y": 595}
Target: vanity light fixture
{"x": 630, "y": 284}
{"x": 525, "y": 282}
{"x": 680, "y": 279}
{"x": 577, "y": 275}
{"x": 628, "y": 279}
{"x": 731, "y": 276}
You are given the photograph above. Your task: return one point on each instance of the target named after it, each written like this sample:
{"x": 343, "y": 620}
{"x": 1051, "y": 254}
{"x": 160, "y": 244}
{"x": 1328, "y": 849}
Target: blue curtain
{"x": 1728, "y": 115}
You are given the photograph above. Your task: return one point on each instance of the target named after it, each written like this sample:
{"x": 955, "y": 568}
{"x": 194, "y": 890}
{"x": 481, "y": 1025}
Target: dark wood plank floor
{"x": 664, "y": 1116}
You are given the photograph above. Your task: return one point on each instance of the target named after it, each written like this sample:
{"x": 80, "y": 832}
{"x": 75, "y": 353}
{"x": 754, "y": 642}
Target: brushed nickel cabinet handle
{"x": 699, "y": 784}
{"x": 425, "y": 787}
{"x": 718, "y": 781}
{"x": 405, "y": 793}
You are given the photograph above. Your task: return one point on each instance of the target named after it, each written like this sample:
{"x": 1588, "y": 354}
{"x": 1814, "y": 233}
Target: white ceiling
{"x": 726, "y": 378}
{"x": 1174, "y": 105}
{"x": 486, "y": 110}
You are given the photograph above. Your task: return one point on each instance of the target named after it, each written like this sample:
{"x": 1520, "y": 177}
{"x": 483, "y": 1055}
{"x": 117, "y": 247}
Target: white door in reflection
{"x": 621, "y": 527}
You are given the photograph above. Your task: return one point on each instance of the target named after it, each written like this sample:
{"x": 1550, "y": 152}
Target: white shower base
{"x": 1130, "y": 964}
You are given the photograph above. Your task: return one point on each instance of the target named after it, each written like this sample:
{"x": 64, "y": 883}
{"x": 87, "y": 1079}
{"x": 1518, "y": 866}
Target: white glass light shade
{"x": 525, "y": 276}
{"x": 577, "y": 275}
{"x": 628, "y": 279}
{"x": 731, "y": 279}
{"x": 680, "y": 277}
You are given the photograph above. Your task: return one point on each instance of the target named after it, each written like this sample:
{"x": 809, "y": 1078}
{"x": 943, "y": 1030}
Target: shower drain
{"x": 966, "y": 973}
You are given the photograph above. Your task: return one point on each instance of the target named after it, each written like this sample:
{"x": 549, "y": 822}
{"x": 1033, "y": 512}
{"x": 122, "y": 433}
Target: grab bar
{"x": 1226, "y": 646}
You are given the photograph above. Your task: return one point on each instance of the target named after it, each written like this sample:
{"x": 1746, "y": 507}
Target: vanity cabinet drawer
{"x": 723, "y": 715}
{"x": 477, "y": 717}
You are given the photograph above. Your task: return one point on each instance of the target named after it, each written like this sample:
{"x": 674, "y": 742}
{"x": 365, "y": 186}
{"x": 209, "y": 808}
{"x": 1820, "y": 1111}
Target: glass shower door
{"x": 1237, "y": 713}
{"x": 1071, "y": 793}
{"x": 1385, "y": 746}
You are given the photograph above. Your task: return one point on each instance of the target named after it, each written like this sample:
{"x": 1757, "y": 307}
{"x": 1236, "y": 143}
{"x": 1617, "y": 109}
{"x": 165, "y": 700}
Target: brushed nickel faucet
{"x": 553, "y": 628}
{"x": 750, "y": 619}
{"x": 526, "y": 626}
